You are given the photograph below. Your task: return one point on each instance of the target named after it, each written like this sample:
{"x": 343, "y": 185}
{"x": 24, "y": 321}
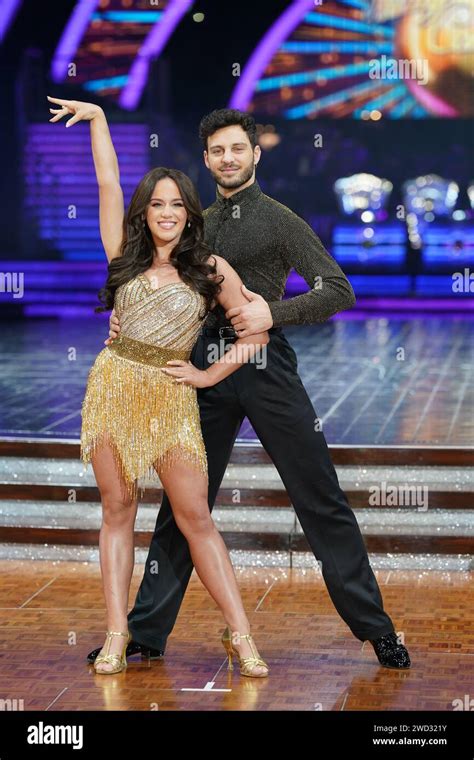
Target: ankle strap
{"x": 117, "y": 633}
{"x": 242, "y": 635}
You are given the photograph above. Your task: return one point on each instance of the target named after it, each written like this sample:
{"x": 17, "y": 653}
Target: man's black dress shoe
{"x": 147, "y": 653}
{"x": 390, "y": 653}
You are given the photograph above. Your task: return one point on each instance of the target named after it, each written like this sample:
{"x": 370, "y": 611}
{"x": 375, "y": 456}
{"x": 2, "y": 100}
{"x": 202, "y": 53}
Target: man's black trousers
{"x": 281, "y": 413}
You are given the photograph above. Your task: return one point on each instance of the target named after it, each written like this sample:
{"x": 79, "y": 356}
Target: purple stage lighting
{"x": 8, "y": 11}
{"x": 151, "y": 48}
{"x": 128, "y": 74}
{"x": 262, "y": 54}
{"x": 71, "y": 38}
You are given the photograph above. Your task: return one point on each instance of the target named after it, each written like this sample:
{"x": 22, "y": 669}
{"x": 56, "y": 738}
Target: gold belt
{"x": 144, "y": 353}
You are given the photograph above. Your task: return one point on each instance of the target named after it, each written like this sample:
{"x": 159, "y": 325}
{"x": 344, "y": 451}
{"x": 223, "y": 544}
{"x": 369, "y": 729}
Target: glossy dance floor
{"x": 377, "y": 381}
{"x": 51, "y": 616}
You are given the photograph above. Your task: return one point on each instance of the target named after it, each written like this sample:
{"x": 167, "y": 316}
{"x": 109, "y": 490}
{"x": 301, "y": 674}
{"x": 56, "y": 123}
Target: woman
{"x": 140, "y": 415}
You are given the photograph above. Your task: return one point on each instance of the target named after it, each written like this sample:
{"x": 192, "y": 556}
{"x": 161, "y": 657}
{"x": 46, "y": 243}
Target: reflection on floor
{"x": 51, "y": 616}
{"x": 372, "y": 382}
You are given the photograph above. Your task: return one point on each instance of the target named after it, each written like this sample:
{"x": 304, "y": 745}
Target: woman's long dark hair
{"x": 190, "y": 256}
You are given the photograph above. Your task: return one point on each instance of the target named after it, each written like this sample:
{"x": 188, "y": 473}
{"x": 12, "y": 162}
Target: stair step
{"x": 87, "y": 515}
{"x": 252, "y": 452}
{"x": 51, "y": 506}
{"x": 447, "y": 487}
{"x": 443, "y": 563}
{"x": 249, "y": 528}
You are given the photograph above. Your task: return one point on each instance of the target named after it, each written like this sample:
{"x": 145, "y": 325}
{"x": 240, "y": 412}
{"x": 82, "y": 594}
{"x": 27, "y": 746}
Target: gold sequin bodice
{"x": 148, "y": 418}
{"x": 169, "y": 316}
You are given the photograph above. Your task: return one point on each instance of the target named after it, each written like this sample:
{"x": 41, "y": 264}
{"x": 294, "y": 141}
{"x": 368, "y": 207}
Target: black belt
{"x": 227, "y": 332}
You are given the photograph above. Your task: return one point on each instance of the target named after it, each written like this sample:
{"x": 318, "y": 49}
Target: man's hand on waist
{"x": 251, "y": 318}
{"x": 114, "y": 329}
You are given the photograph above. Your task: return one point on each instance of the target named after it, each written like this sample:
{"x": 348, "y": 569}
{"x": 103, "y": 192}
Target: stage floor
{"x": 376, "y": 381}
{"x": 52, "y": 615}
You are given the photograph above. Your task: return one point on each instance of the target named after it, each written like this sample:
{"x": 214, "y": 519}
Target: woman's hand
{"x": 187, "y": 373}
{"x": 81, "y": 111}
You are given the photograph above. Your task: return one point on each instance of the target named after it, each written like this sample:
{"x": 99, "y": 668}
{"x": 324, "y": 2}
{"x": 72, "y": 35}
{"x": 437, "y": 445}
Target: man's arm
{"x": 240, "y": 352}
{"x": 330, "y": 292}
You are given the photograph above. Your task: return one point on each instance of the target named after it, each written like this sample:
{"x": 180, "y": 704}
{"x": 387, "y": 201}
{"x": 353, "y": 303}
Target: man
{"x": 264, "y": 240}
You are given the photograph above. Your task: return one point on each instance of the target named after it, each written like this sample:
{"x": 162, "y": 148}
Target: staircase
{"x": 50, "y": 507}
{"x": 61, "y": 196}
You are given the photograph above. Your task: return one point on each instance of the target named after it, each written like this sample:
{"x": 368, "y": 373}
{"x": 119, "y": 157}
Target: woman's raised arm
{"x": 111, "y": 206}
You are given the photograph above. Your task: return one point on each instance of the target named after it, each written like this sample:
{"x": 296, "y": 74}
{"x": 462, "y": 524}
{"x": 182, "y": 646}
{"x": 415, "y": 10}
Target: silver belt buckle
{"x": 226, "y": 327}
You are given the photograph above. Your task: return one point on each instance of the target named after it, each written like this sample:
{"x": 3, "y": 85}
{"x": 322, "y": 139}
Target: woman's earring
{"x": 189, "y": 224}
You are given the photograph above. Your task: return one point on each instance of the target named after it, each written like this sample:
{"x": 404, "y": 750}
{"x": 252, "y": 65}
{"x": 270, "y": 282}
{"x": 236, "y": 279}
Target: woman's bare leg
{"x": 187, "y": 491}
{"x": 116, "y": 545}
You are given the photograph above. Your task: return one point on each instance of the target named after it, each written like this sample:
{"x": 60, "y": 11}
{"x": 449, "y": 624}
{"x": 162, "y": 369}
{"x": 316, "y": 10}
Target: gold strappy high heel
{"x": 118, "y": 661}
{"x": 247, "y": 664}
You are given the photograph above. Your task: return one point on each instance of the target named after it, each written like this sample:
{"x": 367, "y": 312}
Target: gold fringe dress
{"x": 145, "y": 416}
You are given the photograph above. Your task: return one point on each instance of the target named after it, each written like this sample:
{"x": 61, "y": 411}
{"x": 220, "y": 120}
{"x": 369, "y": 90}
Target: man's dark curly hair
{"x": 227, "y": 117}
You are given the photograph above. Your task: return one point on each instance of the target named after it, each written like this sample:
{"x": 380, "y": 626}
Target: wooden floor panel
{"x": 316, "y": 664}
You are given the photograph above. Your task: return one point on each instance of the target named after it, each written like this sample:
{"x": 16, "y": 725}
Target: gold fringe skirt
{"x": 147, "y": 419}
